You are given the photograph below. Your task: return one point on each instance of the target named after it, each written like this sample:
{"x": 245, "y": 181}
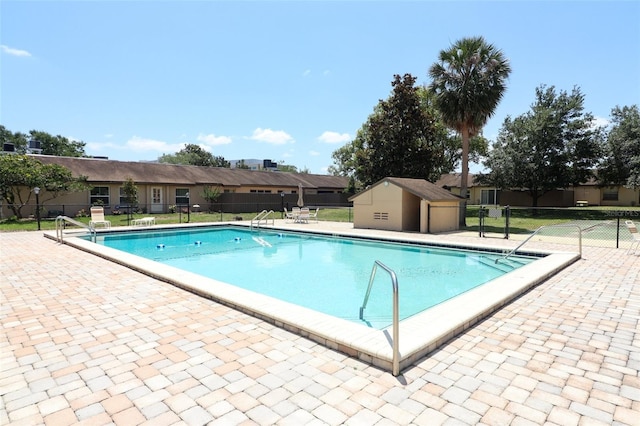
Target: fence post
{"x": 481, "y": 221}
{"x": 618, "y": 233}
{"x": 507, "y": 216}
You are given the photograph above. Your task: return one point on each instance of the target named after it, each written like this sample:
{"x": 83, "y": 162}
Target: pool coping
{"x": 419, "y": 334}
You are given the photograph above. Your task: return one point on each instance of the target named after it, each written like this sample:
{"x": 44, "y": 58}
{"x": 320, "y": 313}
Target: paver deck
{"x": 88, "y": 341}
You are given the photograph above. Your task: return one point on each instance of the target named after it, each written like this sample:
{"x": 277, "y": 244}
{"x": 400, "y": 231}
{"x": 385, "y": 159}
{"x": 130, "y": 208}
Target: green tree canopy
{"x": 19, "y": 174}
{"x": 194, "y": 155}
{"x": 554, "y": 145}
{"x": 396, "y": 140}
{"x": 18, "y": 140}
{"x": 469, "y": 81}
{"x": 621, "y": 148}
{"x": 57, "y": 145}
{"x": 442, "y": 144}
{"x": 130, "y": 191}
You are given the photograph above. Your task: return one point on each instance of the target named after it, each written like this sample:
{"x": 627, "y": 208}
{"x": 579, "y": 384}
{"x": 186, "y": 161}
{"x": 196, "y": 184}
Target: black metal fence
{"x": 598, "y": 227}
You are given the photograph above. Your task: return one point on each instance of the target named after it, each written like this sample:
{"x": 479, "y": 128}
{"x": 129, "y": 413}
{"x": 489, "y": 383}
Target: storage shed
{"x": 403, "y": 204}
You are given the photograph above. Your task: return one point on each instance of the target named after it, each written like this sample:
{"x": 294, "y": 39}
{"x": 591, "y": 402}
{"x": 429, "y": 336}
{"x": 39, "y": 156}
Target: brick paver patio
{"x": 91, "y": 342}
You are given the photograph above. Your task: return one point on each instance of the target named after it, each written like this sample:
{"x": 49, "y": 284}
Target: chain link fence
{"x": 598, "y": 227}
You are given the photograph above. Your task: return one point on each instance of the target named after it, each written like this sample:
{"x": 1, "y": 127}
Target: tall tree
{"x": 57, "y": 145}
{"x": 194, "y": 155}
{"x": 18, "y": 140}
{"x": 621, "y": 162}
{"x": 554, "y": 145}
{"x": 469, "y": 81}
{"x": 447, "y": 141}
{"x": 19, "y": 174}
{"x": 397, "y": 139}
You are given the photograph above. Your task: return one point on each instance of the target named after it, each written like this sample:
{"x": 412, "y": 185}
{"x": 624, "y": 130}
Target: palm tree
{"x": 468, "y": 82}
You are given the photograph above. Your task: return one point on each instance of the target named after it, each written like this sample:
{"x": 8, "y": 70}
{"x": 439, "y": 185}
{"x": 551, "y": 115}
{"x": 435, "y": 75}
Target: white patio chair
{"x": 314, "y": 215}
{"x": 288, "y": 215}
{"x": 304, "y": 215}
{"x": 97, "y": 217}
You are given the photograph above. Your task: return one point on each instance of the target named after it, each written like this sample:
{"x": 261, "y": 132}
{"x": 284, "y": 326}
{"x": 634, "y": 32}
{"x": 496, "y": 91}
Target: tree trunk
{"x": 464, "y": 176}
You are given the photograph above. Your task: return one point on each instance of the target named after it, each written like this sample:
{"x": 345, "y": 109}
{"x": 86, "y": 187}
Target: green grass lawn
{"x": 522, "y": 221}
{"x": 325, "y": 214}
{"x": 525, "y": 221}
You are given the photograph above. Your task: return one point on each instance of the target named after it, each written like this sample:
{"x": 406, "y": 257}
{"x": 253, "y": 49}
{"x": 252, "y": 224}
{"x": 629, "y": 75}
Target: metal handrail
{"x": 567, "y": 225}
{"x": 60, "y": 227}
{"x": 396, "y": 322}
{"x": 263, "y": 215}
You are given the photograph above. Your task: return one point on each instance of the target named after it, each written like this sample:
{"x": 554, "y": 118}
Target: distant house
{"x": 254, "y": 164}
{"x": 402, "y": 204}
{"x": 476, "y": 194}
{"x": 589, "y": 193}
{"x": 163, "y": 186}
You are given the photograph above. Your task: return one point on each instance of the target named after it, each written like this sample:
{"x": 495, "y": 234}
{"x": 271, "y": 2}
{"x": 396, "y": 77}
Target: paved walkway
{"x": 87, "y": 341}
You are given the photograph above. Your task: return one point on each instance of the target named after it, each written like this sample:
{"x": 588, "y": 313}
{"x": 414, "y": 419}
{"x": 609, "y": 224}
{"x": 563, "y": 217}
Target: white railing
{"x": 262, "y": 216}
{"x": 60, "y": 226}
{"x": 396, "y": 321}
{"x": 540, "y": 229}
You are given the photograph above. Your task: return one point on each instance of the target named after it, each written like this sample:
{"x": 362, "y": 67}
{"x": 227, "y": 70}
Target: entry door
{"x": 156, "y": 200}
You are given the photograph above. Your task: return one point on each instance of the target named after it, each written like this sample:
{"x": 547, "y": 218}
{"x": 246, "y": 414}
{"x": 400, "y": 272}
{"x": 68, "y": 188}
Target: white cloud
{"x": 600, "y": 121}
{"x": 334, "y": 137}
{"x": 314, "y": 153}
{"x": 143, "y": 144}
{"x": 275, "y": 137}
{"x": 306, "y": 73}
{"x": 214, "y": 140}
{"x": 14, "y": 52}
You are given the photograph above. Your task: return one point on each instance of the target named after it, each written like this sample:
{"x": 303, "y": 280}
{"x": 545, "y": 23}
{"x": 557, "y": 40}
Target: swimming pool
{"x": 326, "y": 274}
{"x": 419, "y": 334}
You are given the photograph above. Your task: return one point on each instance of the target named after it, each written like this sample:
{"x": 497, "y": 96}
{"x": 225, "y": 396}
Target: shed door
{"x": 156, "y": 200}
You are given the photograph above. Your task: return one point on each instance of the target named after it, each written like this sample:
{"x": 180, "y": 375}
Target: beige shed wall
{"x": 380, "y": 199}
{"x": 442, "y": 217}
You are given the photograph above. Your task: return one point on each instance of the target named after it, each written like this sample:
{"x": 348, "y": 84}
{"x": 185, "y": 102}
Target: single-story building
{"x": 589, "y": 193}
{"x": 404, "y": 204}
{"x": 163, "y": 187}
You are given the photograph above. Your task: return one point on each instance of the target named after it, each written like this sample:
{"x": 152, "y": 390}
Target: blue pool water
{"x": 327, "y": 274}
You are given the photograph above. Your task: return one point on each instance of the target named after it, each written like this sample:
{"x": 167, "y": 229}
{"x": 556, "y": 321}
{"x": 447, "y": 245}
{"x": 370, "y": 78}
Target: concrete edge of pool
{"x": 419, "y": 334}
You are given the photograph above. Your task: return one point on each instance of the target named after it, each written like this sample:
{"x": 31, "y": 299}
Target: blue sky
{"x": 288, "y": 81}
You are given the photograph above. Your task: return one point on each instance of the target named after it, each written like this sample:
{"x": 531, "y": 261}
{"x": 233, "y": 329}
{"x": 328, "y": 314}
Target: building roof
{"x": 111, "y": 171}
{"x": 452, "y": 180}
{"x": 418, "y": 187}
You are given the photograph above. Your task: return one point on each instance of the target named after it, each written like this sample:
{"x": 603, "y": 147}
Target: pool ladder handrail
{"x": 60, "y": 220}
{"x": 538, "y": 230}
{"x": 263, "y": 215}
{"x": 396, "y": 322}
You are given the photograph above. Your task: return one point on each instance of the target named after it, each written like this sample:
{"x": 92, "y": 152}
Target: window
{"x": 99, "y": 195}
{"x": 488, "y": 196}
{"x": 610, "y": 194}
{"x": 182, "y": 196}
{"x": 123, "y": 198}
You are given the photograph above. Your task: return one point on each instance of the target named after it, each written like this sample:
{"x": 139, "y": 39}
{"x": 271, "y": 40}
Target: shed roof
{"x": 418, "y": 187}
{"x": 112, "y": 171}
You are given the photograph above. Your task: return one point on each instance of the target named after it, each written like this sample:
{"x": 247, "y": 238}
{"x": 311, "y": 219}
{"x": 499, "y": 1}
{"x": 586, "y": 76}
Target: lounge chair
{"x": 631, "y": 226}
{"x": 314, "y": 215}
{"x": 145, "y": 221}
{"x": 97, "y": 218}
